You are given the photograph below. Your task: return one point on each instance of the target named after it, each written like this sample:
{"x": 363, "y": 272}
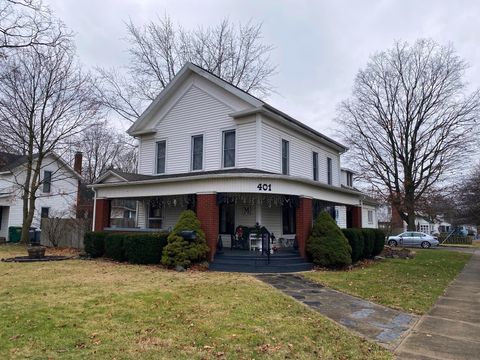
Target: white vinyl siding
{"x": 301, "y": 149}
{"x": 341, "y": 216}
{"x": 366, "y": 209}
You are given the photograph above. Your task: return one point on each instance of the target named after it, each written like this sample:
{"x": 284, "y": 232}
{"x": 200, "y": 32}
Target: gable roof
{"x": 259, "y": 106}
{"x": 9, "y": 161}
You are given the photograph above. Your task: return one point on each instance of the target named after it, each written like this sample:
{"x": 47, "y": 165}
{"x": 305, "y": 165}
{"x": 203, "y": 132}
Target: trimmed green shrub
{"x": 355, "y": 239}
{"x": 327, "y": 246}
{"x": 114, "y": 247}
{"x": 94, "y": 243}
{"x": 144, "y": 248}
{"x": 368, "y": 243}
{"x": 379, "y": 242}
{"x": 180, "y": 252}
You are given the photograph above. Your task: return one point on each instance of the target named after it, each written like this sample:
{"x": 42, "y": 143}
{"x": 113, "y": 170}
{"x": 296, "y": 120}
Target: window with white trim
{"x": 315, "y": 165}
{"x": 285, "y": 157}
{"x": 161, "y": 156}
{"x": 370, "y": 216}
{"x": 197, "y": 152}
{"x": 47, "y": 181}
{"x": 229, "y": 148}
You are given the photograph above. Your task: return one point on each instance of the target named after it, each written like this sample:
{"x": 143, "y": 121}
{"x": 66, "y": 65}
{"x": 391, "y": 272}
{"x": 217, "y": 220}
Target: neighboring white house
{"x": 57, "y": 195}
{"x": 209, "y": 146}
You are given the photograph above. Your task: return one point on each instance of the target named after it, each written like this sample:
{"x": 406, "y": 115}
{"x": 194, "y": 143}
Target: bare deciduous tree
{"x": 409, "y": 121}
{"x": 159, "y": 50}
{"x": 25, "y": 23}
{"x": 45, "y": 98}
{"x": 467, "y": 196}
{"x": 103, "y": 148}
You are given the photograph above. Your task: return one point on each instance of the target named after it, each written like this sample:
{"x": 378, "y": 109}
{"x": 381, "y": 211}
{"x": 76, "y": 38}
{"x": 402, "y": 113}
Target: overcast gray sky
{"x": 319, "y": 45}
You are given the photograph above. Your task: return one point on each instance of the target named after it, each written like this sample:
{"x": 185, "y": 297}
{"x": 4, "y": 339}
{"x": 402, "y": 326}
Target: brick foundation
{"x": 304, "y": 216}
{"x": 102, "y": 214}
{"x": 208, "y": 214}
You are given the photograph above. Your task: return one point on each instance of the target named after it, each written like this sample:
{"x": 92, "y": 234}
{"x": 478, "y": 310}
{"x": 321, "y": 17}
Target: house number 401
{"x": 264, "y": 187}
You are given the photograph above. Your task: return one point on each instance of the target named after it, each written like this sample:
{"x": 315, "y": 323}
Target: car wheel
{"x": 425, "y": 244}
{"x": 392, "y": 243}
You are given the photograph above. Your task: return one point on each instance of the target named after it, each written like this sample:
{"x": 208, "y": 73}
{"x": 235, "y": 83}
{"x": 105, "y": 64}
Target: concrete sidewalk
{"x": 372, "y": 321}
{"x": 451, "y": 329}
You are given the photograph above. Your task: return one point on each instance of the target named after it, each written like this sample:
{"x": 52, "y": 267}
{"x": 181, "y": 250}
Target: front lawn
{"x": 96, "y": 309}
{"x": 411, "y": 285}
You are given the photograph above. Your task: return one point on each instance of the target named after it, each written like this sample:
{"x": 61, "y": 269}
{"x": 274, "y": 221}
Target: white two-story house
{"x": 211, "y": 147}
{"x": 56, "y": 196}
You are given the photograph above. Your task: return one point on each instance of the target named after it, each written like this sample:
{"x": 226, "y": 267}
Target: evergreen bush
{"x": 94, "y": 243}
{"x": 180, "y": 252}
{"x": 379, "y": 242}
{"x": 369, "y": 243}
{"x": 144, "y": 248}
{"x": 355, "y": 239}
{"x": 114, "y": 246}
{"x": 327, "y": 246}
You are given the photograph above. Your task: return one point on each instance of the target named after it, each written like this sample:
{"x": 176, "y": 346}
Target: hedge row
{"x": 144, "y": 248}
{"x": 365, "y": 243}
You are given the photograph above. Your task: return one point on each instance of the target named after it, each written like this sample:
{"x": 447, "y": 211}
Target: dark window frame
{"x": 153, "y": 217}
{"x": 289, "y": 224}
{"x": 44, "y": 212}
{"x": 285, "y": 157}
{"x": 231, "y": 151}
{"x": 226, "y": 224}
{"x": 158, "y": 158}
{"x": 315, "y": 165}
{"x": 329, "y": 171}
{"x": 195, "y": 154}
{"x": 47, "y": 181}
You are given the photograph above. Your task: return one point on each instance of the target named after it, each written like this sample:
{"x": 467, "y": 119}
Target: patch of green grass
{"x": 412, "y": 285}
{"x": 96, "y": 309}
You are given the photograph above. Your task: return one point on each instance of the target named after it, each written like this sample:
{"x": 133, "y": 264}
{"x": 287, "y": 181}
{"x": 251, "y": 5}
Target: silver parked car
{"x": 413, "y": 238}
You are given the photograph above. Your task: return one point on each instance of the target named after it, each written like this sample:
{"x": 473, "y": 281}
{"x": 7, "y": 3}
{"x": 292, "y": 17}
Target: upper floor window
{"x": 349, "y": 179}
{"x": 197, "y": 152}
{"x": 47, "y": 181}
{"x": 161, "y": 154}
{"x": 315, "y": 166}
{"x": 229, "y": 148}
{"x": 285, "y": 157}
{"x": 329, "y": 171}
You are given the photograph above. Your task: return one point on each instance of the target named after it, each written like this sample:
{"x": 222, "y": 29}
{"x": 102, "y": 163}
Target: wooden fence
{"x": 64, "y": 232}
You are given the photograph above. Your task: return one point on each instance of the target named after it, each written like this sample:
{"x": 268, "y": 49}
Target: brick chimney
{"x": 77, "y": 162}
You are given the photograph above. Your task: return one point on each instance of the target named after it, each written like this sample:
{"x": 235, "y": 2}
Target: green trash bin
{"x": 14, "y": 234}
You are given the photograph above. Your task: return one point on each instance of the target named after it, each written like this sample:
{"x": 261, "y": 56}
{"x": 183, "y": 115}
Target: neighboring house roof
{"x": 9, "y": 162}
{"x": 259, "y": 106}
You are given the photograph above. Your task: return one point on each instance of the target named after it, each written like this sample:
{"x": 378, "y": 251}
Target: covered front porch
{"x": 288, "y": 218}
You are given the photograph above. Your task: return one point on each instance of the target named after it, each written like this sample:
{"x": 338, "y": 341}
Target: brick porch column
{"x": 303, "y": 217}
{"x": 208, "y": 214}
{"x": 102, "y": 214}
{"x": 356, "y": 217}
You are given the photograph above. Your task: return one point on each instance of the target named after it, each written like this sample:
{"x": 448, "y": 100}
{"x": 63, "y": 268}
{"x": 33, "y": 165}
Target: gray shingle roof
{"x": 140, "y": 177}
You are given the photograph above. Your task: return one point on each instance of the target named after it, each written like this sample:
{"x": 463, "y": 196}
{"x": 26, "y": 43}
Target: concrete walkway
{"x": 451, "y": 329}
{"x": 374, "y": 322}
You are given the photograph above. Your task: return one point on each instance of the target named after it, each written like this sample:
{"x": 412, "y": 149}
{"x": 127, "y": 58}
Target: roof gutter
{"x": 227, "y": 176}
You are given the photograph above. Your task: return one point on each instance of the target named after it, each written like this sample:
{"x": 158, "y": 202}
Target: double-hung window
{"x": 229, "y": 148}
{"x": 329, "y": 171}
{"x": 349, "y": 179}
{"x": 315, "y": 166}
{"x": 197, "y": 152}
{"x": 285, "y": 157}
{"x": 47, "y": 181}
{"x": 161, "y": 155}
